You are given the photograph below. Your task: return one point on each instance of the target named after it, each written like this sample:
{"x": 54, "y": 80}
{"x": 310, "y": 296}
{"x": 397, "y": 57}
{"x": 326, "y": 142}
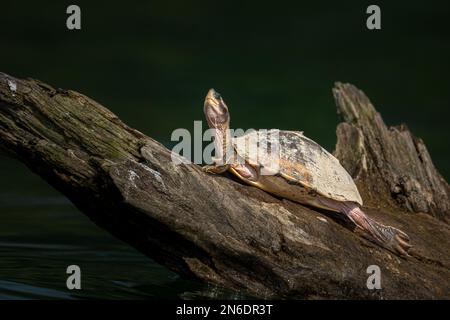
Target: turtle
{"x": 293, "y": 167}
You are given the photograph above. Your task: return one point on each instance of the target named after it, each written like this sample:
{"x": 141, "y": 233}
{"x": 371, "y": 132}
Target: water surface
{"x": 42, "y": 233}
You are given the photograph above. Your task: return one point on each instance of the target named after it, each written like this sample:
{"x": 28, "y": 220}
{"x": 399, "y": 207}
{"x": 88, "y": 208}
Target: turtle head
{"x": 218, "y": 117}
{"x": 216, "y": 111}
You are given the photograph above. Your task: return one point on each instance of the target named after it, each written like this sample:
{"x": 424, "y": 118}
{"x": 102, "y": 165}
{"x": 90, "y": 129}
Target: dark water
{"x": 42, "y": 233}
{"x": 152, "y": 63}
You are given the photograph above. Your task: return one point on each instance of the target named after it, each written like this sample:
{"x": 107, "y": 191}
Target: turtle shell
{"x": 299, "y": 160}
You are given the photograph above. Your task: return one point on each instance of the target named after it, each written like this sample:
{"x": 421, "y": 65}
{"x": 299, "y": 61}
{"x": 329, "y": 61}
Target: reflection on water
{"x": 24, "y": 291}
{"x": 42, "y": 233}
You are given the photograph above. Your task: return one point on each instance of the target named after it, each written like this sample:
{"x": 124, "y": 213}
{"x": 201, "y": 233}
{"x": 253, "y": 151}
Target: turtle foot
{"x": 391, "y": 238}
{"x": 215, "y": 169}
{"x": 388, "y": 237}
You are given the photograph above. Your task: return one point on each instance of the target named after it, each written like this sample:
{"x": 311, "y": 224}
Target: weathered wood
{"x": 389, "y": 165}
{"x": 209, "y": 227}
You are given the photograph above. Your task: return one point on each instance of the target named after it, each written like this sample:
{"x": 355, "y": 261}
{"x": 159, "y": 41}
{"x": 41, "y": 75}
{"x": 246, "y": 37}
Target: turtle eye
{"x": 217, "y": 95}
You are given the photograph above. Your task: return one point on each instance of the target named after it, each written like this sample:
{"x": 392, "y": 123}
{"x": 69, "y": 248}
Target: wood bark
{"x": 212, "y": 227}
{"x": 390, "y": 165}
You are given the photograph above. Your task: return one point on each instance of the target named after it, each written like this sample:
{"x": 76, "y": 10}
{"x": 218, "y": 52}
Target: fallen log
{"x": 210, "y": 227}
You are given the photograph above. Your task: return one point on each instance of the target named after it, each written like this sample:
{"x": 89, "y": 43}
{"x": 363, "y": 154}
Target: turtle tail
{"x": 387, "y": 236}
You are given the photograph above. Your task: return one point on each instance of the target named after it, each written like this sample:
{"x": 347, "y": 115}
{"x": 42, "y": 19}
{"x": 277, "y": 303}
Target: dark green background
{"x": 152, "y": 63}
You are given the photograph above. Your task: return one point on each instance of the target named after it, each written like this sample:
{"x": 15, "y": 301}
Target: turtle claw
{"x": 208, "y": 169}
{"x": 403, "y": 238}
{"x": 392, "y": 238}
{"x": 401, "y": 245}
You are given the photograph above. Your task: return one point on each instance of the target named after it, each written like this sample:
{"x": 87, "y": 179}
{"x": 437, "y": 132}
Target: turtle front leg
{"x": 215, "y": 169}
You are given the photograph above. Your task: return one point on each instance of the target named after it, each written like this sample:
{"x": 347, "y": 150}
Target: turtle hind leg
{"x": 387, "y": 236}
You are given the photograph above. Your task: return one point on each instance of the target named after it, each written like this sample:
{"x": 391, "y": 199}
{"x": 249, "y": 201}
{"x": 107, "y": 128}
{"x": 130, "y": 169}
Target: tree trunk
{"x": 212, "y": 227}
{"x": 390, "y": 166}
